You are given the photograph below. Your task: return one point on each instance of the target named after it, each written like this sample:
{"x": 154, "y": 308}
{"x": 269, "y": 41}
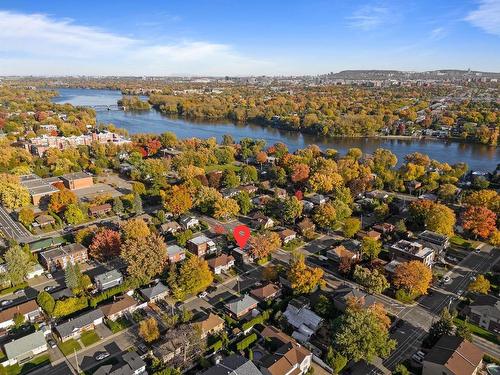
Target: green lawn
{"x": 222, "y": 167}
{"x": 68, "y": 347}
{"x": 118, "y": 325}
{"x": 293, "y": 244}
{"x": 481, "y": 332}
{"x": 459, "y": 241}
{"x": 16, "y": 369}
{"x": 89, "y": 337}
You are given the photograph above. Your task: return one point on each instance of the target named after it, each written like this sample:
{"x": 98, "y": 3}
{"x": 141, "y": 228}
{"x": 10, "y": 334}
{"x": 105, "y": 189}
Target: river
{"x": 477, "y": 156}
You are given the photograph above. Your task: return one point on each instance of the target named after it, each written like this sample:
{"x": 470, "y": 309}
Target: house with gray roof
{"x": 485, "y": 312}
{"x": 130, "y": 363}
{"x": 73, "y": 328}
{"x": 155, "y": 292}
{"x": 300, "y": 317}
{"x": 25, "y": 348}
{"x": 342, "y": 295}
{"x": 233, "y": 365}
{"x": 108, "y": 279}
{"x": 241, "y": 306}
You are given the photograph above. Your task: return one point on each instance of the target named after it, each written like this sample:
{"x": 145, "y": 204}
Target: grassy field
{"x": 223, "y": 167}
{"x": 68, "y": 347}
{"x": 16, "y": 369}
{"x": 89, "y": 337}
{"x": 118, "y": 325}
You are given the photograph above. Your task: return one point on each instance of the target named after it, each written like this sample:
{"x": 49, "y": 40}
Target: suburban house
{"x": 189, "y": 222}
{"x": 30, "y": 310}
{"x": 130, "y": 363}
{"x": 437, "y": 242}
{"x": 338, "y": 252}
{"x": 372, "y": 234}
{"x": 210, "y": 325}
{"x": 99, "y": 210}
{"x": 266, "y": 292}
{"x": 261, "y": 221}
{"x": 306, "y": 227}
{"x": 287, "y": 235}
{"x": 384, "y": 228}
{"x": 485, "y": 312}
{"x": 175, "y": 254}
{"x": 250, "y": 189}
{"x": 155, "y": 292}
{"x": 201, "y": 245}
{"x": 453, "y": 355}
{"x": 60, "y": 257}
{"x": 168, "y": 348}
{"x": 241, "y": 306}
{"x": 235, "y": 364}
{"x": 317, "y": 199}
{"x": 37, "y": 270}
{"x": 241, "y": 255}
{"x": 44, "y": 220}
{"x": 170, "y": 227}
{"x": 220, "y": 264}
{"x": 121, "y": 306}
{"x": 300, "y": 317}
{"x": 290, "y": 358}
{"x": 73, "y": 328}
{"x": 108, "y": 279}
{"x": 342, "y": 295}
{"x": 77, "y": 180}
{"x": 24, "y": 348}
{"x": 405, "y": 251}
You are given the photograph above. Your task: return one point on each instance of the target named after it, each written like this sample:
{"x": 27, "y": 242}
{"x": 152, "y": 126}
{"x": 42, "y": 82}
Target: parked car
{"x": 6, "y": 302}
{"x": 446, "y": 279}
{"x": 51, "y": 343}
{"x": 48, "y": 288}
{"x": 417, "y": 358}
{"x": 203, "y": 294}
{"x": 477, "y": 251}
{"x": 19, "y": 292}
{"x": 49, "y": 275}
{"x": 460, "y": 292}
{"x": 102, "y": 355}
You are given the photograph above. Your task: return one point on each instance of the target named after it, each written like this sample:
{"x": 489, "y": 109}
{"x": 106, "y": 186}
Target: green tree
{"x": 46, "y": 302}
{"x": 351, "y": 226}
{"x": 326, "y": 216}
{"x": 248, "y": 174}
{"x": 244, "y": 201}
{"x": 373, "y": 281}
{"x": 362, "y": 336}
{"x": 231, "y": 179}
{"x": 401, "y": 370}
{"x": 18, "y": 264}
{"x": 291, "y": 209}
{"x": 137, "y": 204}
{"x": 462, "y": 330}
{"x": 72, "y": 276}
{"x": 74, "y": 215}
{"x": 371, "y": 247}
{"x": 335, "y": 360}
{"x": 192, "y": 277}
{"x": 18, "y": 320}
{"x": 26, "y": 216}
{"x": 118, "y": 205}
{"x": 444, "y": 326}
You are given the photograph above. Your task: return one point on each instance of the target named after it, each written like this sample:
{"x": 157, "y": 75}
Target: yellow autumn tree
{"x": 304, "y": 279}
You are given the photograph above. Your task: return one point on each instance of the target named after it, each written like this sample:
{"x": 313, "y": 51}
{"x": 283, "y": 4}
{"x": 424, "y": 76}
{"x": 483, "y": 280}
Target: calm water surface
{"x": 475, "y": 155}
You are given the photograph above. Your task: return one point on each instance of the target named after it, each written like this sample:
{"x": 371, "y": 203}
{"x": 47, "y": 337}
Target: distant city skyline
{"x": 220, "y": 38}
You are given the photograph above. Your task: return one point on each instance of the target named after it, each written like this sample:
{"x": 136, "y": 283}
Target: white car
{"x": 202, "y": 294}
{"x": 460, "y": 292}
{"x": 6, "y": 302}
{"x": 101, "y": 356}
{"x": 417, "y": 358}
{"x": 446, "y": 279}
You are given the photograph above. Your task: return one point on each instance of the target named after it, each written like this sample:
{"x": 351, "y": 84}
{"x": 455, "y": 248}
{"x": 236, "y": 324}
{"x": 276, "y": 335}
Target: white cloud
{"x": 38, "y": 44}
{"x": 486, "y": 17}
{"x": 438, "y": 33}
{"x": 369, "y": 17}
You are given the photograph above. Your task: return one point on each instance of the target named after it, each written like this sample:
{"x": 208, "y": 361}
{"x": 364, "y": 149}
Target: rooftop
{"x": 67, "y": 328}
{"x": 76, "y": 176}
{"x": 233, "y": 365}
{"x": 241, "y": 304}
{"x": 25, "y": 344}
{"x": 63, "y": 251}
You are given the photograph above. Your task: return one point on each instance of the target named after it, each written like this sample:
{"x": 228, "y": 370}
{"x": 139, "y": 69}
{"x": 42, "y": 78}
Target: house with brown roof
{"x": 170, "y": 227}
{"x": 99, "y": 210}
{"x": 60, "y": 257}
{"x": 287, "y": 235}
{"x": 121, "y": 306}
{"x": 210, "y": 325}
{"x": 290, "y": 358}
{"x": 306, "y": 227}
{"x": 373, "y": 234}
{"x": 261, "y": 221}
{"x": 44, "y": 220}
{"x": 338, "y": 252}
{"x": 384, "y": 228}
{"x": 453, "y": 355}
{"x": 266, "y": 292}
{"x": 220, "y": 264}
{"x": 30, "y": 310}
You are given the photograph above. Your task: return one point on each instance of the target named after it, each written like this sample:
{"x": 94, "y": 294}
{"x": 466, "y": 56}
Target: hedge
{"x": 216, "y": 346}
{"x": 246, "y": 342}
{"x": 257, "y": 320}
{"x": 127, "y": 285}
{"x": 13, "y": 289}
{"x": 69, "y": 306}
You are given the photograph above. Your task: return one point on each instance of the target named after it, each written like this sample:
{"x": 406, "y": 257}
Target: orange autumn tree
{"x": 304, "y": 279}
{"x": 261, "y": 245}
{"x": 178, "y": 200}
{"x": 105, "y": 245}
{"x": 61, "y": 199}
{"x": 480, "y": 221}
{"x": 414, "y": 277}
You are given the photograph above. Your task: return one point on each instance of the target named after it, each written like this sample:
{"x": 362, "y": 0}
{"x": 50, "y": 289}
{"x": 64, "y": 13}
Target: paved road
{"x": 12, "y": 228}
{"x": 420, "y": 317}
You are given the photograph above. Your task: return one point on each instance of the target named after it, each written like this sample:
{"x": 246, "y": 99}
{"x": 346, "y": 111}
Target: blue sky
{"x": 232, "y": 37}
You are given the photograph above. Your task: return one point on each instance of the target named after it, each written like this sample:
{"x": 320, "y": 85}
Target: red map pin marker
{"x": 241, "y": 234}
